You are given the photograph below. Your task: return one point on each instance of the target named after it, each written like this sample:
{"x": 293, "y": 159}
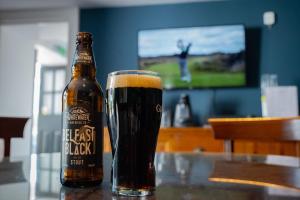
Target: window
{"x": 53, "y": 82}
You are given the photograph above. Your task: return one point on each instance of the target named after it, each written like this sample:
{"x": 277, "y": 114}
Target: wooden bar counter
{"x": 195, "y": 139}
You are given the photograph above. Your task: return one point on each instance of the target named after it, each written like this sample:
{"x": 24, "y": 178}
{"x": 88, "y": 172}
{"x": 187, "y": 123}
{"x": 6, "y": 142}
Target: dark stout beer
{"x": 133, "y": 112}
{"x": 82, "y": 138}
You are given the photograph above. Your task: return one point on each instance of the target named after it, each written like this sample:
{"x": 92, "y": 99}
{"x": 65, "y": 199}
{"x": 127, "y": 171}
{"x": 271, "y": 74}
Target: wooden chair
{"x": 9, "y": 128}
{"x": 181, "y": 140}
{"x": 256, "y": 129}
{"x": 187, "y": 139}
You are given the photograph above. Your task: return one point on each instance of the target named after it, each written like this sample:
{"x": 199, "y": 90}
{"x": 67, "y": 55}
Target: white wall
{"x": 16, "y": 77}
{"x": 17, "y": 69}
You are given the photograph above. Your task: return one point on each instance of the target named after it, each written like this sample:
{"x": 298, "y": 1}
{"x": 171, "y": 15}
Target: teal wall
{"x": 273, "y": 50}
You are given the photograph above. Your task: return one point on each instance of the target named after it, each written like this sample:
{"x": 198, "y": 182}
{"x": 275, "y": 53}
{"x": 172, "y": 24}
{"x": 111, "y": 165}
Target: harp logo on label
{"x": 158, "y": 108}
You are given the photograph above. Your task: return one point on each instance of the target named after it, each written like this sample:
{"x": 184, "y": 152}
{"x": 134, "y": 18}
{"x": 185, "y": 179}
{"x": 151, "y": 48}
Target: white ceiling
{"x": 37, "y": 4}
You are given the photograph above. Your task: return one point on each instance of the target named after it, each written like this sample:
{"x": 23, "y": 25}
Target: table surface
{"x": 178, "y": 176}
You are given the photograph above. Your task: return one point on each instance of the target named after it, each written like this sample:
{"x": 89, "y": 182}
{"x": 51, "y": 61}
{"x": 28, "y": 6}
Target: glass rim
{"x": 135, "y": 72}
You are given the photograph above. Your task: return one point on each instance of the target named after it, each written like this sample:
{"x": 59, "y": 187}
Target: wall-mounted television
{"x": 195, "y": 57}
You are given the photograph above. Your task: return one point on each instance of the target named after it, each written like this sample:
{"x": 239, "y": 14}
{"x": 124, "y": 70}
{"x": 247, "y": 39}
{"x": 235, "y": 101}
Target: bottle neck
{"x": 84, "y": 65}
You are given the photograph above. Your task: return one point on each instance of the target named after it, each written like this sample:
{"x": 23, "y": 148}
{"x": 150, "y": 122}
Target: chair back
{"x": 11, "y": 127}
{"x": 257, "y": 129}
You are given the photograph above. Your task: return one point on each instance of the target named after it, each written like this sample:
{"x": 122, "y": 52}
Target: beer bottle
{"x": 82, "y": 131}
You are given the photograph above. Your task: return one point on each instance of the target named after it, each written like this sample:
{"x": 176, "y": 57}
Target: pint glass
{"x": 133, "y": 109}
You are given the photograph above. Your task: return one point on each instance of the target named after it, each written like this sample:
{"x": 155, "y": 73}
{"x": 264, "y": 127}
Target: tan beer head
{"x": 133, "y": 80}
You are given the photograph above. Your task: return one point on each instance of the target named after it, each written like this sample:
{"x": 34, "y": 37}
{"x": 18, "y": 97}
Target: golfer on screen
{"x": 183, "y": 64}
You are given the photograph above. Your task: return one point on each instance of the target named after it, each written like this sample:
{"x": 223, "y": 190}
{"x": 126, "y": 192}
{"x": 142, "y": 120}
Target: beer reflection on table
{"x": 80, "y": 193}
{"x": 183, "y": 168}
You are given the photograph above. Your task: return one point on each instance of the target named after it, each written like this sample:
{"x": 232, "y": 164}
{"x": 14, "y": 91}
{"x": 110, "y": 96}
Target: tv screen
{"x": 195, "y": 57}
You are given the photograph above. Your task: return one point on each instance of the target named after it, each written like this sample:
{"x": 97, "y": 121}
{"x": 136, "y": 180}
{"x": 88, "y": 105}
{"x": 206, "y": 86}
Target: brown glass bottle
{"x": 82, "y": 135}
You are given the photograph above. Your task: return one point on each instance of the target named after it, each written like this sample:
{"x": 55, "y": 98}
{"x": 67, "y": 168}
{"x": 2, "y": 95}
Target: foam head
{"x": 133, "y": 80}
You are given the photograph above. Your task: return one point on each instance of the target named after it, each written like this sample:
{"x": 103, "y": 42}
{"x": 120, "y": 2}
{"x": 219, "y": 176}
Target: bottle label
{"x": 84, "y": 57}
{"x": 82, "y": 140}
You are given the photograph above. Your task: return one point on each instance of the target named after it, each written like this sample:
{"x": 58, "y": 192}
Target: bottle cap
{"x": 84, "y": 37}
